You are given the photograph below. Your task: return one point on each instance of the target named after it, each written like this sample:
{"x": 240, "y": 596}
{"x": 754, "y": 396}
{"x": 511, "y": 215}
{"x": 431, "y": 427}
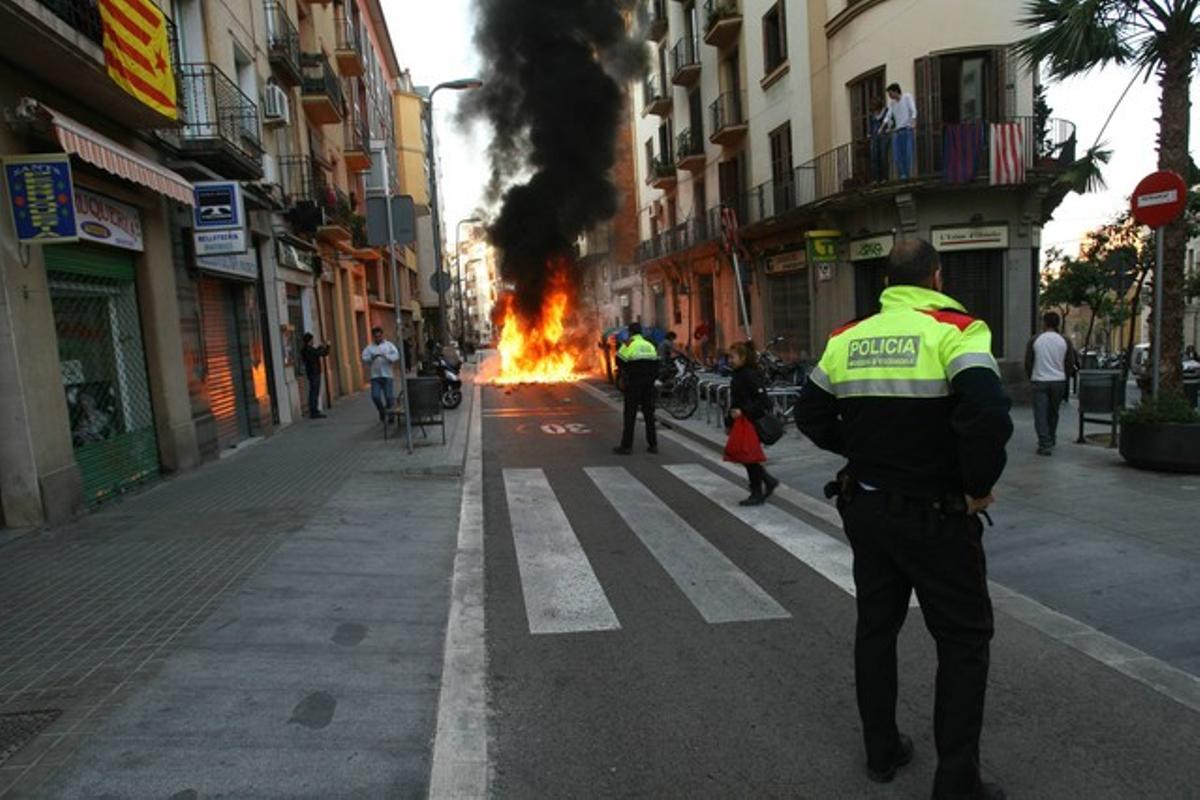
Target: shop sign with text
{"x": 872, "y": 247}
{"x": 982, "y": 237}
{"x": 107, "y": 221}
{"x": 41, "y": 193}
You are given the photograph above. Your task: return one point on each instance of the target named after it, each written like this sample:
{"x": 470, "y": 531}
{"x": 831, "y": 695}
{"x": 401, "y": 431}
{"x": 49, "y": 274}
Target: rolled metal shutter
{"x": 103, "y": 364}
{"x": 222, "y": 394}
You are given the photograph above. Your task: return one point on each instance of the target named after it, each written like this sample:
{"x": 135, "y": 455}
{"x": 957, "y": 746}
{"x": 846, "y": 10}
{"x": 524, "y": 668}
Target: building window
{"x": 774, "y": 38}
{"x": 784, "y": 194}
{"x": 650, "y": 156}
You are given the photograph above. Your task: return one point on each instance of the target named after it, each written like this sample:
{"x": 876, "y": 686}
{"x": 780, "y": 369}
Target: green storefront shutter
{"x": 104, "y": 369}
{"x": 86, "y": 261}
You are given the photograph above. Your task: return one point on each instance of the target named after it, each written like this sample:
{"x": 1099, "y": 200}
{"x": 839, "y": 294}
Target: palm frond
{"x": 1086, "y": 174}
{"x": 1072, "y": 37}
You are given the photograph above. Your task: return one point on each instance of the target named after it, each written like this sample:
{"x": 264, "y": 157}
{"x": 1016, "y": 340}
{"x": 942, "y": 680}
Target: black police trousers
{"x": 639, "y": 394}
{"x": 901, "y": 545}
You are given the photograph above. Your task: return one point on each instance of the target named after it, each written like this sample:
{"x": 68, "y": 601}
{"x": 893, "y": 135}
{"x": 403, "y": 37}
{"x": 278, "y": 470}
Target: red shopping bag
{"x": 743, "y": 446}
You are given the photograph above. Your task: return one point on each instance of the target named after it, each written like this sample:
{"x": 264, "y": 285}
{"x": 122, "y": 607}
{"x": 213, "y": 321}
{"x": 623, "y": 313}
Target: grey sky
{"x": 434, "y": 40}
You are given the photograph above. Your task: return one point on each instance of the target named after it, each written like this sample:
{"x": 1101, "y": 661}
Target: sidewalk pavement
{"x": 1080, "y": 532}
{"x": 275, "y": 616}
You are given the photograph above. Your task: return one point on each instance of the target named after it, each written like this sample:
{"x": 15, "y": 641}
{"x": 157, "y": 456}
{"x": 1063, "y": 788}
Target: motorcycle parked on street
{"x": 452, "y": 394}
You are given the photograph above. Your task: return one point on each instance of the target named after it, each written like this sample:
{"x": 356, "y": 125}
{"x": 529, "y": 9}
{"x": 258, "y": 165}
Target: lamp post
{"x": 459, "y": 85}
{"x": 458, "y": 259}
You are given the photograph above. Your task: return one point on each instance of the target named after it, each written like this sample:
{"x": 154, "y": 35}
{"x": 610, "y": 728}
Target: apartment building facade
{"x": 139, "y": 346}
{"x": 786, "y": 89}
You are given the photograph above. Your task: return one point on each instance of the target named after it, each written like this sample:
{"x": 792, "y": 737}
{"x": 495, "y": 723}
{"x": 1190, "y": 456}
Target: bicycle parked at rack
{"x": 677, "y": 388}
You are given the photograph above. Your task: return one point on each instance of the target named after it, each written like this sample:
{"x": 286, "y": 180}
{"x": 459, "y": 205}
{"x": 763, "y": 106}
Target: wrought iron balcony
{"x": 689, "y": 150}
{"x": 220, "y": 127}
{"x": 296, "y": 181}
{"x": 283, "y": 44}
{"x": 82, "y": 15}
{"x": 662, "y": 173}
{"x": 723, "y": 22}
{"x": 658, "y": 20}
{"x": 321, "y": 91}
{"x": 356, "y": 150}
{"x": 685, "y": 58}
{"x": 348, "y": 47}
{"x": 658, "y": 96}
{"x": 726, "y": 120}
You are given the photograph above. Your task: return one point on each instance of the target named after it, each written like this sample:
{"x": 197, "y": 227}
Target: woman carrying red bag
{"x": 747, "y": 404}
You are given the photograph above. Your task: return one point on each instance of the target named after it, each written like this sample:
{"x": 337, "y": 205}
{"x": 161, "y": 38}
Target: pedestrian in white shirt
{"x": 1050, "y": 362}
{"x": 902, "y": 117}
{"x": 380, "y": 355}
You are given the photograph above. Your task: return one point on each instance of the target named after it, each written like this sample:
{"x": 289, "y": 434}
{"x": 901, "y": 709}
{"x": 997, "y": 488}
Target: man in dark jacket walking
{"x": 311, "y": 356}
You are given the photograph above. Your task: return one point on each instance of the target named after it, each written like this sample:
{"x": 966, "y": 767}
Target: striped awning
{"x": 97, "y": 149}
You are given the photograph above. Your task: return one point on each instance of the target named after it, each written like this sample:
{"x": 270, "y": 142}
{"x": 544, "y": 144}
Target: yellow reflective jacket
{"x": 639, "y": 360}
{"x": 912, "y": 396}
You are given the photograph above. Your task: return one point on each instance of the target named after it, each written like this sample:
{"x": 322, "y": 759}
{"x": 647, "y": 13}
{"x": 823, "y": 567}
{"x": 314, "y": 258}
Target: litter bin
{"x": 1101, "y": 391}
{"x": 1191, "y": 390}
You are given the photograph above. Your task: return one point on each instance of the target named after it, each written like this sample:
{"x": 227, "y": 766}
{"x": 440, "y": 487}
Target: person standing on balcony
{"x": 902, "y": 118}
{"x": 880, "y": 134}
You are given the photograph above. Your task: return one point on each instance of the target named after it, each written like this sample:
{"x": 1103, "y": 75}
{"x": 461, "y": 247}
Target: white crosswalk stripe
{"x": 716, "y": 587}
{"x": 562, "y": 593}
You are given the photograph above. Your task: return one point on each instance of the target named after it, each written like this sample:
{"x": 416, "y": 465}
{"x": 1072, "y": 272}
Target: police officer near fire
{"x": 639, "y": 364}
{"x": 912, "y": 398}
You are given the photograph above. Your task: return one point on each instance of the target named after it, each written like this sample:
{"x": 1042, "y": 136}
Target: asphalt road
{"x": 644, "y": 640}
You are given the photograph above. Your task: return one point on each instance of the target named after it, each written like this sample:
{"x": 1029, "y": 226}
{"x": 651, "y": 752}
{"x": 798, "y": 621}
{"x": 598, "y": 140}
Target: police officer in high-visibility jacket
{"x": 639, "y": 364}
{"x": 912, "y": 398}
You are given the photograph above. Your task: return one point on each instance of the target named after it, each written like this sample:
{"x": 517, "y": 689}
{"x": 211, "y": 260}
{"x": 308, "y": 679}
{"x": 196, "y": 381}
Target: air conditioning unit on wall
{"x": 275, "y": 106}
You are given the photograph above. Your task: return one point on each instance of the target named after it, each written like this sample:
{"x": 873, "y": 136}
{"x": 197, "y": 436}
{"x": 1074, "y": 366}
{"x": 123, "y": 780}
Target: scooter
{"x": 452, "y": 395}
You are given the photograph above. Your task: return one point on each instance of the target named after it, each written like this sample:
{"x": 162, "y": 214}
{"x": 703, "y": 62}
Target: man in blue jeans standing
{"x": 379, "y": 356}
{"x": 1050, "y": 362}
{"x": 902, "y": 118}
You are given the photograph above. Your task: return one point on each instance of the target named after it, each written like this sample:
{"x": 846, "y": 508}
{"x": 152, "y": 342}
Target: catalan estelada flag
{"x": 137, "y": 52}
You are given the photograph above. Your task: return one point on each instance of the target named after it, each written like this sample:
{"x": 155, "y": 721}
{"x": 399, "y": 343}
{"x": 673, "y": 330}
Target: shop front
{"x": 789, "y": 303}
{"x": 235, "y": 375}
{"x": 102, "y": 358}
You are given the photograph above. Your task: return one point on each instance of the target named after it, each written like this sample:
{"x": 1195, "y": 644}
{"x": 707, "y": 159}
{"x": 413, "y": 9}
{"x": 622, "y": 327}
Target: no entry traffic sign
{"x": 1159, "y": 199}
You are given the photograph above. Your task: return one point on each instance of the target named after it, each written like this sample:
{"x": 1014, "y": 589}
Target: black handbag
{"x": 770, "y": 428}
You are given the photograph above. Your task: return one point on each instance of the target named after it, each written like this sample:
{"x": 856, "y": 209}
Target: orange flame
{"x": 542, "y": 350}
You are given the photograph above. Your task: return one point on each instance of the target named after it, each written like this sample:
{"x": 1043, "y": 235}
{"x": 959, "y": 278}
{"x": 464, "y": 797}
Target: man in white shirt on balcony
{"x": 902, "y": 118}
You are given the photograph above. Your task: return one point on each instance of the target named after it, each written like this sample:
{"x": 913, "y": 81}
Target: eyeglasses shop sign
{"x": 107, "y": 221}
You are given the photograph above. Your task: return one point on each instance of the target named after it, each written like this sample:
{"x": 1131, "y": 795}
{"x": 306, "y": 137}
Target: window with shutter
{"x": 928, "y": 96}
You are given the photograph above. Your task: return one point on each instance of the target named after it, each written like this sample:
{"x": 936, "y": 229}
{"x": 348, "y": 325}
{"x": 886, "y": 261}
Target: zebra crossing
{"x": 563, "y": 594}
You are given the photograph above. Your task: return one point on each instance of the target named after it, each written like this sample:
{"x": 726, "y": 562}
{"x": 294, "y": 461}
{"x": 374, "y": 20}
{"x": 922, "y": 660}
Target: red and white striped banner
{"x": 729, "y": 229}
{"x": 1008, "y": 153}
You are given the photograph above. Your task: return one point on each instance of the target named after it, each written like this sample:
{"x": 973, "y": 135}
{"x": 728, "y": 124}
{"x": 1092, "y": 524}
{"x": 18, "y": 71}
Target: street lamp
{"x": 459, "y": 85}
{"x": 462, "y": 314}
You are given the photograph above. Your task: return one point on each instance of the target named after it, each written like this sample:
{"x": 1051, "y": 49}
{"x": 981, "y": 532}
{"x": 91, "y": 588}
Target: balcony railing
{"x": 689, "y": 150}
{"x": 723, "y": 22}
{"x": 662, "y": 172}
{"x": 658, "y": 20}
{"x": 220, "y": 123}
{"x": 82, "y": 15}
{"x": 726, "y": 121}
{"x": 355, "y": 143}
{"x": 685, "y": 60}
{"x": 283, "y": 41}
{"x": 684, "y": 236}
{"x": 296, "y": 180}
{"x": 867, "y": 164}
{"x": 657, "y": 95}
{"x": 321, "y": 91}
{"x": 348, "y": 42}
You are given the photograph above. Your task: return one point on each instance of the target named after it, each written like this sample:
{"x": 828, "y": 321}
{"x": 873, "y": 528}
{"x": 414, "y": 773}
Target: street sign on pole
{"x": 1158, "y": 201}
{"x": 440, "y": 281}
{"x": 403, "y": 223}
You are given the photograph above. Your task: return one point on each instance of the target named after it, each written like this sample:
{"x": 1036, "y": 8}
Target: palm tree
{"x": 1158, "y": 38}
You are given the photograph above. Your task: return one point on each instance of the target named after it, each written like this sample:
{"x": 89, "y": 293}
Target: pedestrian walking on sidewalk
{"x": 748, "y": 401}
{"x": 639, "y": 364}
{"x": 380, "y": 355}
{"x": 912, "y": 398}
{"x": 311, "y": 356}
{"x": 1050, "y": 363}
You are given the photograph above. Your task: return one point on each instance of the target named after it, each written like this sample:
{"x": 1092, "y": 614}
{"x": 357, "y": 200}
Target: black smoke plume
{"x": 555, "y": 73}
